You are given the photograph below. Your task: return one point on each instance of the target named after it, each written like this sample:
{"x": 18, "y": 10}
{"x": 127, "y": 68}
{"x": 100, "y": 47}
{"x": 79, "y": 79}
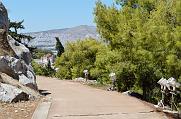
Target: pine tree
{"x": 146, "y": 33}
{"x": 16, "y": 26}
{"x": 13, "y": 31}
{"x": 59, "y": 47}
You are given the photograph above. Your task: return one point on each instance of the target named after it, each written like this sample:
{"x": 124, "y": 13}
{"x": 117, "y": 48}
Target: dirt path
{"x": 76, "y": 101}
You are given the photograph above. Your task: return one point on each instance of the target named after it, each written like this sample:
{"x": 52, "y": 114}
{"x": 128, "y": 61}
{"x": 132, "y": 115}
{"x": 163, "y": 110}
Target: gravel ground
{"x": 21, "y": 110}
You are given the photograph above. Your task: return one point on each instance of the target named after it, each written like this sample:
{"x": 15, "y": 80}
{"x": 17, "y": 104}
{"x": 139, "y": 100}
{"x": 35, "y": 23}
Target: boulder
{"x": 80, "y": 79}
{"x": 20, "y": 50}
{"x": 19, "y": 70}
{"x": 133, "y": 94}
{"x": 5, "y": 79}
{"x": 28, "y": 77}
{"x": 127, "y": 93}
{"x": 19, "y": 66}
{"x": 5, "y": 66}
{"x": 9, "y": 93}
{"x": 28, "y": 81}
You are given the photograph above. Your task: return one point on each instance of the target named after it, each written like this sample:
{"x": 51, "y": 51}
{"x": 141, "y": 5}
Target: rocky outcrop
{"x": 17, "y": 87}
{"x": 17, "y": 79}
{"x": 5, "y": 48}
{"x": 19, "y": 70}
{"x": 5, "y": 67}
{"x": 20, "y": 50}
{"x": 28, "y": 80}
{"x": 3, "y": 18}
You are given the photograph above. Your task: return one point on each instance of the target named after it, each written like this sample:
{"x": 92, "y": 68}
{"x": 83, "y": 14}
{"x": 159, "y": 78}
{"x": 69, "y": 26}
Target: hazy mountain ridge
{"x": 46, "y": 39}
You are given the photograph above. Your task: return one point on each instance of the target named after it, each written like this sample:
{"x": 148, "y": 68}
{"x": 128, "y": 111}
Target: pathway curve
{"x": 76, "y": 101}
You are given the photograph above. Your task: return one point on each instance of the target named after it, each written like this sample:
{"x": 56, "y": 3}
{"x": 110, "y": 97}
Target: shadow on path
{"x": 44, "y": 92}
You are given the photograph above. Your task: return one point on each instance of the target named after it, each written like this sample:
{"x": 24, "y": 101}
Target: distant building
{"x": 45, "y": 59}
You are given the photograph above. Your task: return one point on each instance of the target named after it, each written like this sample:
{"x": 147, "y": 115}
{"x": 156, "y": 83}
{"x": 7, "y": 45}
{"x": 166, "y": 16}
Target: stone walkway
{"x": 76, "y": 101}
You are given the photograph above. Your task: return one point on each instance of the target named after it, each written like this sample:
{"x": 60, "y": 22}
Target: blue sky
{"x": 42, "y": 15}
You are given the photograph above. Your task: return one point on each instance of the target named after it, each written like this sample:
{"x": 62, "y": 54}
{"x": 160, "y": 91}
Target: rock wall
{"x": 3, "y": 17}
{"x": 17, "y": 78}
{"x": 4, "y": 24}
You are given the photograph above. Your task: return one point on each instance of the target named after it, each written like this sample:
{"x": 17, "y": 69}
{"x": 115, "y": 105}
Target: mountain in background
{"x": 46, "y": 39}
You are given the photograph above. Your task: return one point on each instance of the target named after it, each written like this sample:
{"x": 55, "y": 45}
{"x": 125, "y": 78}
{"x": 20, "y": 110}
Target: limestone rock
{"x": 9, "y": 80}
{"x": 17, "y": 79}
{"x": 20, "y": 50}
{"x": 19, "y": 70}
{"x": 79, "y": 79}
{"x": 28, "y": 81}
{"x": 5, "y": 48}
{"x": 19, "y": 66}
{"x": 9, "y": 93}
{"x": 127, "y": 93}
{"x": 5, "y": 66}
{"x": 4, "y": 23}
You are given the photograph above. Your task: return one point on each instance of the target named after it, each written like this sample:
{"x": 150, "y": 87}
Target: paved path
{"x": 76, "y": 101}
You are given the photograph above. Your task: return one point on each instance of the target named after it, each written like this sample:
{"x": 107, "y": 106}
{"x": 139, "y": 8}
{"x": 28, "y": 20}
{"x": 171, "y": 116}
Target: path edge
{"x": 42, "y": 110}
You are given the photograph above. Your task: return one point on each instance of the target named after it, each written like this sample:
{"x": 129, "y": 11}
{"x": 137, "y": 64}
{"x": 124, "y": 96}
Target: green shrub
{"x": 78, "y": 56}
{"x": 42, "y": 70}
{"x": 144, "y": 40}
{"x": 63, "y": 73}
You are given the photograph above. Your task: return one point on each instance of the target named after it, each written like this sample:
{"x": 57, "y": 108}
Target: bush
{"x": 41, "y": 70}
{"x": 78, "y": 56}
{"x": 63, "y": 73}
{"x": 144, "y": 42}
